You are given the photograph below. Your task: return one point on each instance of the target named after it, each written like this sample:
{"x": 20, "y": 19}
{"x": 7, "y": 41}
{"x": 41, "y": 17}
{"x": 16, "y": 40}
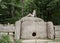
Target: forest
{"x": 13, "y": 10}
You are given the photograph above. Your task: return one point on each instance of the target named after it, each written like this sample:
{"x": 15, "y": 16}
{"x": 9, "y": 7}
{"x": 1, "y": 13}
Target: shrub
{"x": 5, "y": 39}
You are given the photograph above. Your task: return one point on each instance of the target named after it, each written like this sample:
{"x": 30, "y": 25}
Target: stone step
{"x": 53, "y": 42}
{"x": 39, "y": 41}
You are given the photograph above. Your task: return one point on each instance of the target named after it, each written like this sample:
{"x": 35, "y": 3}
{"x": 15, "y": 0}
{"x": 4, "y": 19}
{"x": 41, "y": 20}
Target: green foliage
{"x": 10, "y": 11}
{"x": 46, "y": 9}
{"x": 5, "y": 39}
{"x": 29, "y": 6}
{"x": 56, "y": 17}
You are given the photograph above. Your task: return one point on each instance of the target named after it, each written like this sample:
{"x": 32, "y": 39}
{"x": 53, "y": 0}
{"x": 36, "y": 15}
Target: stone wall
{"x": 34, "y": 28}
{"x": 7, "y": 28}
{"x": 31, "y": 28}
{"x": 57, "y": 31}
{"x": 50, "y": 29}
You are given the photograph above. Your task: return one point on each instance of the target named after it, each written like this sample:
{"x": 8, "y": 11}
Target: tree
{"x": 46, "y": 9}
{"x": 10, "y": 11}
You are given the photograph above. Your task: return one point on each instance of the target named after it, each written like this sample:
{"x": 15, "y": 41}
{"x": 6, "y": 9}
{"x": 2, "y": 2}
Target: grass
{"x": 6, "y": 39}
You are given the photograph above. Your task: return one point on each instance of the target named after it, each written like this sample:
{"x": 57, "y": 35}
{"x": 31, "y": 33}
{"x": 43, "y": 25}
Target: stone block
{"x": 36, "y": 41}
{"x": 41, "y": 30}
{"x": 28, "y": 41}
{"x": 57, "y": 28}
{"x": 57, "y": 34}
{"x": 51, "y": 31}
{"x": 17, "y": 29}
{"x": 53, "y": 42}
{"x": 28, "y": 28}
{"x": 43, "y": 41}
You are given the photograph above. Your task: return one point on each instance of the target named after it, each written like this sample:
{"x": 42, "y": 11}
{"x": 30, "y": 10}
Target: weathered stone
{"x": 7, "y": 28}
{"x": 32, "y": 25}
{"x": 57, "y": 31}
{"x": 17, "y": 29}
{"x": 32, "y": 19}
{"x": 57, "y": 34}
{"x": 31, "y": 28}
{"x": 36, "y": 41}
{"x": 50, "y": 30}
{"x": 41, "y": 30}
{"x": 53, "y": 42}
{"x": 28, "y": 41}
{"x": 57, "y": 28}
{"x": 42, "y": 41}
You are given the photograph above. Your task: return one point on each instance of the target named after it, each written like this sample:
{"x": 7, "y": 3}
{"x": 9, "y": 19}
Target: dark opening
{"x": 34, "y": 34}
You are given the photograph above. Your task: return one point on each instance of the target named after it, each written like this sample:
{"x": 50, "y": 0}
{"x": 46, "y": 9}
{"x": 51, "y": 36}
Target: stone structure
{"x": 33, "y": 28}
{"x": 30, "y": 27}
